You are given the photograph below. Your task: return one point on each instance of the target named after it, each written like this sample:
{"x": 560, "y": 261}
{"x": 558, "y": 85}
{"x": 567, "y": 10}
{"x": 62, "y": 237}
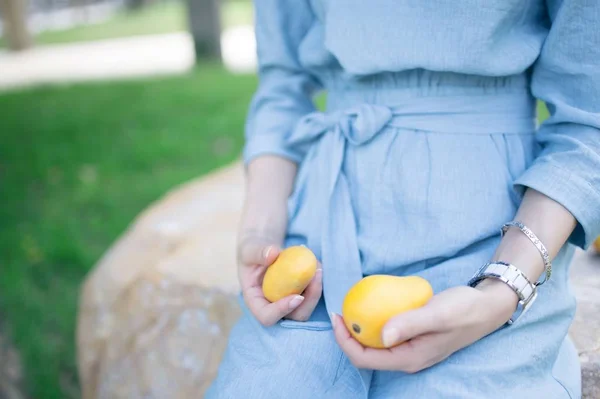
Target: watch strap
{"x": 514, "y": 278}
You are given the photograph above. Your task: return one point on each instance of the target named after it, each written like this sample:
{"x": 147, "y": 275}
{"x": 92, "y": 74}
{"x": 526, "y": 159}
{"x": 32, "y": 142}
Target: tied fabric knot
{"x": 358, "y": 124}
{"x": 324, "y": 136}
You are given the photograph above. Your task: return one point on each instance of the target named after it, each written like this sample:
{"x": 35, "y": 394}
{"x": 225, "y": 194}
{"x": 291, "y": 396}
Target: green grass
{"x": 162, "y": 17}
{"x": 77, "y": 164}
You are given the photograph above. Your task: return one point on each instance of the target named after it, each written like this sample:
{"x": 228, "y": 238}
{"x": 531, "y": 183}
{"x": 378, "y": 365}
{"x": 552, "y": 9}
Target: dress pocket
{"x": 306, "y": 325}
{"x": 514, "y": 153}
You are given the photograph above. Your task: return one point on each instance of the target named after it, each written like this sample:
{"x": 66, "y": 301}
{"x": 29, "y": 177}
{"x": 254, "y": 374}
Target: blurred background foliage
{"x": 77, "y": 164}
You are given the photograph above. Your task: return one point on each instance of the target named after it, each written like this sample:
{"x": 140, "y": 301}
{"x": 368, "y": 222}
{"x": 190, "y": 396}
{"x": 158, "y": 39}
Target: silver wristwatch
{"x": 514, "y": 278}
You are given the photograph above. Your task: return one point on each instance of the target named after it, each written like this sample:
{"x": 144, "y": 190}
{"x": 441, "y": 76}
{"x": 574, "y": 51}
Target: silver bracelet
{"x": 538, "y": 244}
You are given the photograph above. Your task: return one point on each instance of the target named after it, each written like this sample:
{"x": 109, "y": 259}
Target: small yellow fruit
{"x": 371, "y": 302}
{"x": 290, "y": 273}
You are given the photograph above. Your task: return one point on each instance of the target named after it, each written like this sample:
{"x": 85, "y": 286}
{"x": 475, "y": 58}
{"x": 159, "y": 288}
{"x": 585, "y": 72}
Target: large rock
{"x": 156, "y": 310}
{"x": 585, "y": 331}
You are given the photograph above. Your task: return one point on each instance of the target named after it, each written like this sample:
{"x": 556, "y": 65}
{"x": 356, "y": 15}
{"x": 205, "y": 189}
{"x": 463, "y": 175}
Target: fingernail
{"x": 390, "y": 336}
{"x": 333, "y": 318}
{"x": 294, "y": 303}
{"x": 266, "y": 252}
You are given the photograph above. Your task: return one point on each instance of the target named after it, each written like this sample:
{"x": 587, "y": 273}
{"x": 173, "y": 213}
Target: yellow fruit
{"x": 290, "y": 273}
{"x": 371, "y": 302}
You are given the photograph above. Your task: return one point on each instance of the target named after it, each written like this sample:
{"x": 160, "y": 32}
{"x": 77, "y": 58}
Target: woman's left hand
{"x": 451, "y": 320}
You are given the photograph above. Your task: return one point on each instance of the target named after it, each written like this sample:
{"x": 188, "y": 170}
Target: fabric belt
{"x": 329, "y": 134}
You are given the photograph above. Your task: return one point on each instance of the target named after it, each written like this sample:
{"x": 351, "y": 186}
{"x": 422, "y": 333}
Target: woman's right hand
{"x": 256, "y": 253}
{"x": 270, "y": 180}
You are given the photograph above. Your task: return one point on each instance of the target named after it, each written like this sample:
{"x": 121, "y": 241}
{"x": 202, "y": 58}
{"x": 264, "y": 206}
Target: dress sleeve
{"x": 567, "y": 77}
{"x": 285, "y": 91}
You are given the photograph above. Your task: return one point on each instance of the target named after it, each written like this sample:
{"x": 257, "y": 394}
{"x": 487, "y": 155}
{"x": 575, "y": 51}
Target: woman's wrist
{"x": 264, "y": 216}
{"x": 500, "y": 300}
{"x": 267, "y": 222}
{"x": 551, "y": 224}
{"x": 549, "y": 221}
{"x": 515, "y": 248}
{"x": 269, "y": 182}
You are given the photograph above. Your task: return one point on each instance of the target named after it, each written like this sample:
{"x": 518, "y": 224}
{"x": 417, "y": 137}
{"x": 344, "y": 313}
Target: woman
{"x": 426, "y": 150}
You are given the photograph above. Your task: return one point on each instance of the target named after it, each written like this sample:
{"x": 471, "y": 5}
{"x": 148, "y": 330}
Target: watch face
{"x": 533, "y": 298}
{"x": 526, "y": 305}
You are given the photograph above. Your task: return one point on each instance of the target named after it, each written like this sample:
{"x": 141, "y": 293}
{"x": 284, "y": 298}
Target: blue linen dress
{"x": 427, "y": 144}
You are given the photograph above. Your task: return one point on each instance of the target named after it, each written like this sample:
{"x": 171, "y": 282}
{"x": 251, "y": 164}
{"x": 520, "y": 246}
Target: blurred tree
{"x": 137, "y": 4}
{"x": 205, "y": 25}
{"x": 82, "y": 14}
{"x": 14, "y": 18}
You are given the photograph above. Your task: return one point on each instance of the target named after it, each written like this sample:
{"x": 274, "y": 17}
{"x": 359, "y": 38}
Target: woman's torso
{"x": 349, "y": 39}
{"x": 438, "y": 178}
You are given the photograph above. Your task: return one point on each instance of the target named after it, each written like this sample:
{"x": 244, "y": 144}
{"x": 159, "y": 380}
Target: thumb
{"x": 408, "y": 325}
{"x": 254, "y": 252}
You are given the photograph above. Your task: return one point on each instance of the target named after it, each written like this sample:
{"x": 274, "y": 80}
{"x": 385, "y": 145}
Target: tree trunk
{"x": 14, "y": 16}
{"x": 135, "y": 5}
{"x": 205, "y": 26}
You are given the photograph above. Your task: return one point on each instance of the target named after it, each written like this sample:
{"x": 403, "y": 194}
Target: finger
{"x": 407, "y": 357}
{"x": 360, "y": 356}
{"x": 411, "y": 324}
{"x": 312, "y": 295}
{"x": 268, "y": 313}
{"x": 421, "y": 352}
{"x": 257, "y": 253}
